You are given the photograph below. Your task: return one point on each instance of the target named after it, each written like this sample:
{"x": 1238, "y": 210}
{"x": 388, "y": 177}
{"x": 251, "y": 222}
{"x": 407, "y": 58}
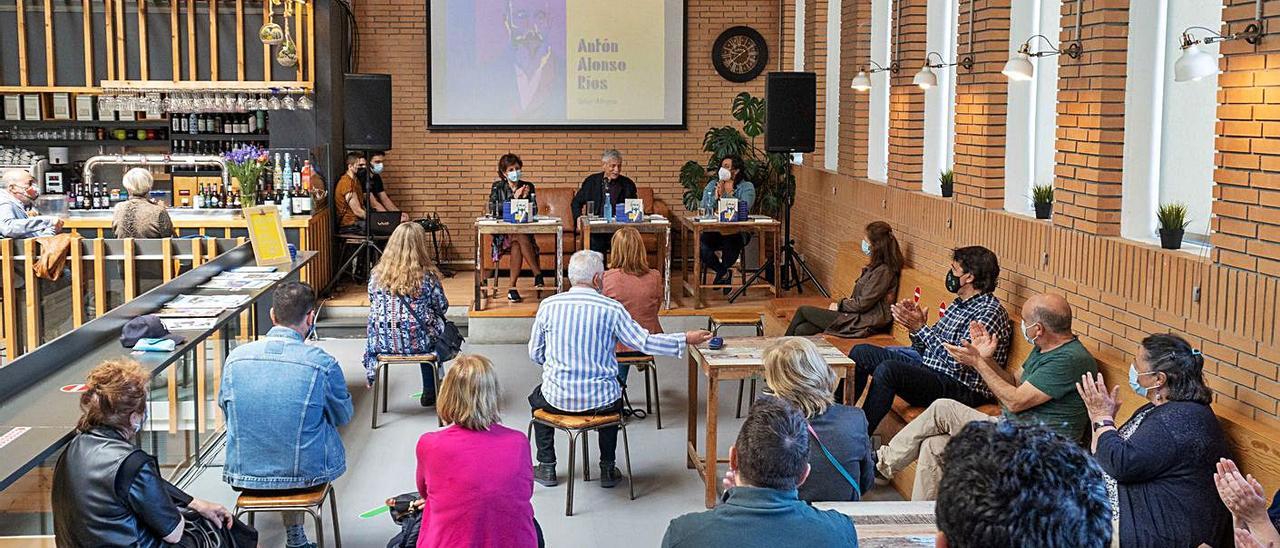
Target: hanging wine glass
{"x": 288, "y": 101}
{"x": 270, "y": 33}
{"x": 304, "y": 102}
{"x": 274, "y": 102}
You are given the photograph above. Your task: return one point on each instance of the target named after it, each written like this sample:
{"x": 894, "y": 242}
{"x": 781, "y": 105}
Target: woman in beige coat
{"x": 140, "y": 216}
{"x": 866, "y": 311}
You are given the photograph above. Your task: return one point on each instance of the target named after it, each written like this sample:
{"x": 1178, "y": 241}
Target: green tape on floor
{"x": 381, "y": 509}
{"x": 416, "y": 395}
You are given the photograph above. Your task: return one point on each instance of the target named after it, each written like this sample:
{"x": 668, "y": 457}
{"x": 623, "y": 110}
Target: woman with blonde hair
{"x": 631, "y": 282}
{"x": 406, "y": 304}
{"x": 842, "y": 464}
{"x": 107, "y": 491}
{"x": 140, "y": 216}
{"x": 475, "y": 506}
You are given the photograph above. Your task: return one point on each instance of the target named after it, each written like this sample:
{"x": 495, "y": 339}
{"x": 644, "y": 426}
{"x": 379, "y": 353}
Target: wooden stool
{"x": 309, "y": 501}
{"x": 580, "y": 425}
{"x": 646, "y": 365}
{"x": 737, "y": 319}
{"x": 382, "y": 375}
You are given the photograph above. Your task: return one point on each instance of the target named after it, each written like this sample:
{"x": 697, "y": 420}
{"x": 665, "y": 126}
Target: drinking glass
{"x": 305, "y": 103}
{"x": 274, "y": 102}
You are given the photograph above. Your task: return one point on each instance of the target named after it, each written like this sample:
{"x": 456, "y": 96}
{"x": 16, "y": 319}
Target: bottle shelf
{"x": 90, "y": 143}
{"x": 133, "y": 124}
{"x": 237, "y": 137}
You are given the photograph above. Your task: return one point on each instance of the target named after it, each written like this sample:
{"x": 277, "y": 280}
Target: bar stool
{"x": 646, "y": 365}
{"x": 309, "y": 500}
{"x": 578, "y": 426}
{"x": 382, "y": 375}
{"x": 738, "y": 319}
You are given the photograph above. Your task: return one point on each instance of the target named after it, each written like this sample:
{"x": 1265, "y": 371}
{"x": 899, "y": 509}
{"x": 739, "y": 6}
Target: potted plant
{"x": 947, "y": 180}
{"x": 1042, "y": 199}
{"x": 1173, "y": 222}
{"x": 245, "y": 164}
{"x": 770, "y": 171}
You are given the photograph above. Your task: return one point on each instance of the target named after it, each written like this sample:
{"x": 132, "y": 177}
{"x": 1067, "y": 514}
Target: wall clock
{"x": 740, "y": 54}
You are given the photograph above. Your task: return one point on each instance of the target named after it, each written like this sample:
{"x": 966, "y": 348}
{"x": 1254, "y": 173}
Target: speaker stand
{"x": 795, "y": 272}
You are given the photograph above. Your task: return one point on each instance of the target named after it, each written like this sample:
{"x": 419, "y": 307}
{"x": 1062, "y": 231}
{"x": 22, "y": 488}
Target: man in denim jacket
{"x": 284, "y": 402}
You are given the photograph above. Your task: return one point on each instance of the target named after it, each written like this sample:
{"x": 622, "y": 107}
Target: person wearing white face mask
{"x": 378, "y": 198}
{"x": 1045, "y": 393}
{"x": 721, "y": 251}
{"x": 866, "y": 311}
{"x": 19, "y": 196}
{"x": 511, "y": 185}
{"x": 1160, "y": 462}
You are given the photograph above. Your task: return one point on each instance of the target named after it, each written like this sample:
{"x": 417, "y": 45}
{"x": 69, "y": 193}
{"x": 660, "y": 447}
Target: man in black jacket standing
{"x": 611, "y": 180}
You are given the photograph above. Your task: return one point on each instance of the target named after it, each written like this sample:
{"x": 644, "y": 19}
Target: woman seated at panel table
{"x": 140, "y": 216}
{"x": 406, "y": 304}
{"x": 729, "y": 182}
{"x": 866, "y": 311}
{"x": 1160, "y": 463}
{"x": 631, "y": 282}
{"x": 476, "y": 475}
{"x": 107, "y": 491}
{"x": 511, "y": 186}
{"x": 841, "y": 463}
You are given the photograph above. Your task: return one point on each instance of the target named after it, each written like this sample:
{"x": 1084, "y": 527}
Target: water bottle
{"x": 608, "y": 208}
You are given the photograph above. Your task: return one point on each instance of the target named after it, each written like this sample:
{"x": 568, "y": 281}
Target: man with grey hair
{"x": 573, "y": 340}
{"x": 19, "y": 195}
{"x": 610, "y": 180}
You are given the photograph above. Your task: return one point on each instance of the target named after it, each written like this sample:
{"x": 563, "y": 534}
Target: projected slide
{"x": 556, "y": 63}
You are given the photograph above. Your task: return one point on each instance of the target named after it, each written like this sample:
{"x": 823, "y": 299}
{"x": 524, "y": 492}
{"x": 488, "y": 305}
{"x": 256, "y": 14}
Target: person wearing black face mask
{"x": 925, "y": 372}
{"x": 350, "y": 194}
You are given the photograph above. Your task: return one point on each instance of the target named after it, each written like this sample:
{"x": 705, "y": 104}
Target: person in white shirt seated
{"x": 573, "y": 340}
{"x": 19, "y": 196}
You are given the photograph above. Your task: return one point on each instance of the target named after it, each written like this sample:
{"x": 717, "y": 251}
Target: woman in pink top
{"x": 631, "y": 282}
{"x": 475, "y": 476}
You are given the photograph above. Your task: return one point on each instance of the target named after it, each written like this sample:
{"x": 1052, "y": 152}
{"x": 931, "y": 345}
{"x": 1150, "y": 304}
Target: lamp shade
{"x": 1194, "y": 64}
{"x": 861, "y": 82}
{"x": 1019, "y": 67}
{"x": 925, "y": 78}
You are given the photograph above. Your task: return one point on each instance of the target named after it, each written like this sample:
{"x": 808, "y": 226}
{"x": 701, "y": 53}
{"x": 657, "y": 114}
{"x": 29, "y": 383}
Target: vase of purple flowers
{"x": 246, "y": 163}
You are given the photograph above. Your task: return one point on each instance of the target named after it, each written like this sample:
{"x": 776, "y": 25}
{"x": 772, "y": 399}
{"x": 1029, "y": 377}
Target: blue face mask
{"x": 376, "y": 168}
{"x": 866, "y": 248}
{"x": 1133, "y": 381}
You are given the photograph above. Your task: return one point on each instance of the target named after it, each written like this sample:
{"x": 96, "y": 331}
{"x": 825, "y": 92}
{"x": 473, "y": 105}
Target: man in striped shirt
{"x": 573, "y": 339}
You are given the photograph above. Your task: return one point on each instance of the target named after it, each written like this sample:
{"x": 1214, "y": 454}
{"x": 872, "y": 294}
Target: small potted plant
{"x": 947, "y": 180}
{"x": 1042, "y": 199}
{"x": 1173, "y": 222}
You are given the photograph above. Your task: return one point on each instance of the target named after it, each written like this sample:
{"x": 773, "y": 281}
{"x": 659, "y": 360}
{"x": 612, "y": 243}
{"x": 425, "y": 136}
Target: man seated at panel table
{"x": 284, "y": 401}
{"x": 925, "y": 372}
{"x": 1011, "y": 485}
{"x": 1046, "y": 394}
{"x": 761, "y": 506}
{"x": 573, "y": 339}
{"x": 19, "y": 196}
{"x": 349, "y": 195}
{"x": 610, "y": 180}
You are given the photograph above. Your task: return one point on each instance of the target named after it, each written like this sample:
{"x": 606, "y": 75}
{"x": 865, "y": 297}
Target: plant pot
{"x": 1044, "y": 211}
{"x": 1171, "y": 238}
{"x": 948, "y": 190}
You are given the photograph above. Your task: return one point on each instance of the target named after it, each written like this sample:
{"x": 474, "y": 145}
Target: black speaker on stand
{"x": 790, "y": 122}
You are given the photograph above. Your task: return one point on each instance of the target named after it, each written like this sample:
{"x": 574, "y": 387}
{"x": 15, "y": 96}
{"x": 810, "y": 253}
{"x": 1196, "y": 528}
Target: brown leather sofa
{"x": 557, "y": 202}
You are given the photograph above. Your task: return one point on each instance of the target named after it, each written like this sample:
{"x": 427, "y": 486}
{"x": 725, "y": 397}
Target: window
{"x": 1169, "y": 126}
{"x": 831, "y": 137}
{"x": 939, "y": 102}
{"x": 878, "y": 117}
{"x": 797, "y": 60}
{"x": 1033, "y": 105}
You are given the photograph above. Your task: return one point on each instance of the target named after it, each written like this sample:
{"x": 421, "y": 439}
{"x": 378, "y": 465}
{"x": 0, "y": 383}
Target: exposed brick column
{"x": 1246, "y": 223}
{"x": 1091, "y": 119}
{"x": 855, "y": 106}
{"x": 815, "y": 61}
{"x": 906, "y": 101}
{"x": 981, "y": 104}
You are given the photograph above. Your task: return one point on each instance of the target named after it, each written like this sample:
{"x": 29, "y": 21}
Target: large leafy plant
{"x": 769, "y": 171}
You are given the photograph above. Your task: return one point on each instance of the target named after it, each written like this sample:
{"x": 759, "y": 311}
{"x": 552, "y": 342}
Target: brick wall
{"x": 1121, "y": 290}
{"x": 450, "y": 172}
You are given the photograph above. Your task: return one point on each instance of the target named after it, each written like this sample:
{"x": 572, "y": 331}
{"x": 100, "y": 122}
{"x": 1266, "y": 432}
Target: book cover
{"x": 727, "y": 210}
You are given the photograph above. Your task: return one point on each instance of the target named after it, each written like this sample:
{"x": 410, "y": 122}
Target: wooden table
{"x": 653, "y": 224}
{"x": 889, "y": 523}
{"x": 739, "y": 359}
{"x": 543, "y": 225}
{"x": 694, "y": 226}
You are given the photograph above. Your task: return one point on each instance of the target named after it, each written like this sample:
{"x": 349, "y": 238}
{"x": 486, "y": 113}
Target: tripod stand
{"x": 366, "y": 246}
{"x": 792, "y": 264}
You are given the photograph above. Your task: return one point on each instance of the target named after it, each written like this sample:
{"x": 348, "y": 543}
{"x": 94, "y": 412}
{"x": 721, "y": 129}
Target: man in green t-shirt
{"x": 1045, "y": 394}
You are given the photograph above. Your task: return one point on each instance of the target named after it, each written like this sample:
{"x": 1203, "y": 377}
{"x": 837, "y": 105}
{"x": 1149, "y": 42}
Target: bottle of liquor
{"x": 262, "y": 121}
{"x": 306, "y": 175}
{"x": 296, "y": 177}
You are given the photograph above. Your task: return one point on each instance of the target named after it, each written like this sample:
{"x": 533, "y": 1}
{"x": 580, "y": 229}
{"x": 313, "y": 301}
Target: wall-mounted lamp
{"x": 862, "y": 81}
{"x": 926, "y": 77}
{"x": 1020, "y": 68}
{"x": 1195, "y": 63}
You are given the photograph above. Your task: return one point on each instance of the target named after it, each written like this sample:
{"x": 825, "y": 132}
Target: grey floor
{"x": 381, "y": 463}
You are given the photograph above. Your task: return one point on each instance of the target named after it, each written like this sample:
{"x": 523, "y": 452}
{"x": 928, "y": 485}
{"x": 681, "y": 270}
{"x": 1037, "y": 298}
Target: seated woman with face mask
{"x": 866, "y": 311}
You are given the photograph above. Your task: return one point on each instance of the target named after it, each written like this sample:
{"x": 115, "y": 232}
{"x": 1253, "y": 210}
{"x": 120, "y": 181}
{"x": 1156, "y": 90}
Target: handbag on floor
{"x": 407, "y": 517}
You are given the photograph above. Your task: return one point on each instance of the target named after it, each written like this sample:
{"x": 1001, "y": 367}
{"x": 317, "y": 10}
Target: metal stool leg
{"x": 741, "y": 385}
{"x": 319, "y": 527}
{"x": 435, "y": 388}
{"x": 586, "y": 458}
{"x": 386, "y": 383}
{"x": 648, "y": 393}
{"x": 573, "y": 439}
{"x": 626, "y": 452}
{"x": 333, "y": 508}
{"x": 377, "y": 378}
{"x": 657, "y": 399}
